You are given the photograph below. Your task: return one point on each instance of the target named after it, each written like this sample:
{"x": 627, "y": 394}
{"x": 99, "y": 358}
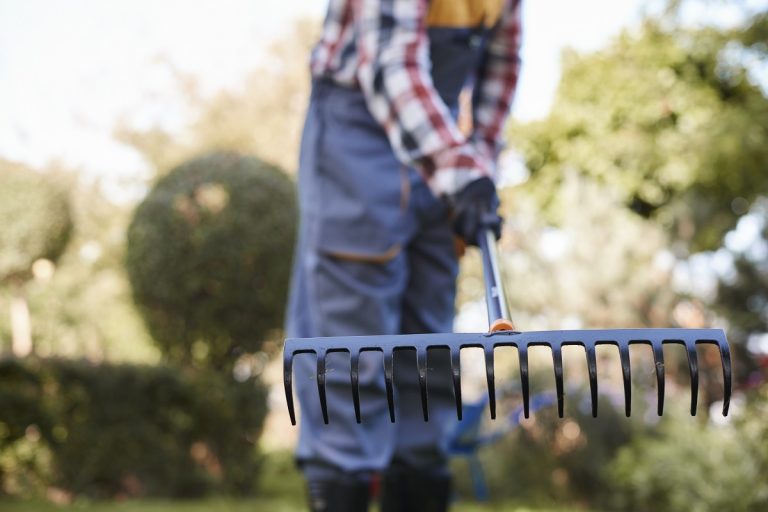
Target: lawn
{"x": 225, "y": 505}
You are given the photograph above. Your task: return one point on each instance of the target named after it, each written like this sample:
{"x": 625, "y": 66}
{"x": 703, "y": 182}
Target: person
{"x": 387, "y": 180}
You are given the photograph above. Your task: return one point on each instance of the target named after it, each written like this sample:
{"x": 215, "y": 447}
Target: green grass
{"x": 210, "y": 505}
{"x": 225, "y": 505}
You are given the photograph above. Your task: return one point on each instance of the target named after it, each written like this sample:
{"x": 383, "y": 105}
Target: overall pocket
{"x": 361, "y": 189}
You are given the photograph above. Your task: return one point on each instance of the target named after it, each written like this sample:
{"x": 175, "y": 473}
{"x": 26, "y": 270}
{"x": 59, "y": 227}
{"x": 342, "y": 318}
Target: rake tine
{"x": 693, "y": 366}
{"x": 421, "y": 363}
{"x": 456, "y": 374}
{"x": 490, "y": 377}
{"x": 557, "y": 361}
{"x": 626, "y": 374}
{"x": 321, "y": 383}
{"x": 354, "y": 361}
{"x": 725, "y": 355}
{"x": 592, "y": 368}
{"x": 523, "y": 356}
{"x": 658, "y": 361}
{"x": 288, "y": 383}
{"x": 388, "y": 376}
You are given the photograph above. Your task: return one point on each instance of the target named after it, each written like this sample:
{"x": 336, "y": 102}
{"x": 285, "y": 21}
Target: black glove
{"x": 474, "y": 208}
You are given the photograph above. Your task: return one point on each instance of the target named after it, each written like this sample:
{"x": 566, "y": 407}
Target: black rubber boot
{"x": 405, "y": 489}
{"x": 343, "y": 494}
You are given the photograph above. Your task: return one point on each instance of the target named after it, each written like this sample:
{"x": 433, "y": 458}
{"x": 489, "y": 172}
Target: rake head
{"x": 421, "y": 344}
{"x": 503, "y": 334}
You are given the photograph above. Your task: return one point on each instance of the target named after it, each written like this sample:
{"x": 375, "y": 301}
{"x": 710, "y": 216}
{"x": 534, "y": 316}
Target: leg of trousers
{"x": 375, "y": 257}
{"x": 412, "y": 293}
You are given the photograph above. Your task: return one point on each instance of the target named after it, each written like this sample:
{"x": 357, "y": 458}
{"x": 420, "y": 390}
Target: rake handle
{"x": 499, "y": 318}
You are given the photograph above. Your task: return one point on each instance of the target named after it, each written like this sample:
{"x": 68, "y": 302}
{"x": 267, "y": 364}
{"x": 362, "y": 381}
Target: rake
{"x": 503, "y": 334}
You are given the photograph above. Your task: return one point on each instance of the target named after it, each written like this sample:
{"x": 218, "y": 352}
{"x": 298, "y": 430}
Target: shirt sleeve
{"x": 497, "y": 81}
{"x": 394, "y": 74}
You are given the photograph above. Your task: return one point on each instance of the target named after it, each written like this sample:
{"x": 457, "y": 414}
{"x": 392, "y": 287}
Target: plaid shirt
{"x": 382, "y": 46}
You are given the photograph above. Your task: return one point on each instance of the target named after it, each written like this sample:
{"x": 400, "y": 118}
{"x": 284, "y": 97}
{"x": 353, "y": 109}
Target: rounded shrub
{"x": 37, "y": 220}
{"x": 209, "y": 254}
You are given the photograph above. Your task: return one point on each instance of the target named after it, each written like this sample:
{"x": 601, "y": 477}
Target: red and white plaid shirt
{"x": 382, "y": 46}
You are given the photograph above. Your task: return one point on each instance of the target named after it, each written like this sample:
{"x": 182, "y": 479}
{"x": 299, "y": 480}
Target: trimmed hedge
{"x": 125, "y": 430}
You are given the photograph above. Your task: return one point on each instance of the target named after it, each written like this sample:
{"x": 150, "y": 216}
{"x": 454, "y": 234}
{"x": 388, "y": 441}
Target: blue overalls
{"x": 375, "y": 255}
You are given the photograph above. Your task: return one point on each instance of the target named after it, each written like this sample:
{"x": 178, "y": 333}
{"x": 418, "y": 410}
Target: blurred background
{"x": 147, "y": 215}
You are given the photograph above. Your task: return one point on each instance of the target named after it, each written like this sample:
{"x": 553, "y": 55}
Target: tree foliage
{"x": 36, "y": 220}
{"x": 669, "y": 118}
{"x": 85, "y": 309}
{"x": 742, "y": 295}
{"x": 684, "y": 465}
{"x": 600, "y": 266}
{"x": 208, "y": 256}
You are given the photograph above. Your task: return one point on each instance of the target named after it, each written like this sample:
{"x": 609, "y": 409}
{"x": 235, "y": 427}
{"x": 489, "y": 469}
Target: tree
{"x": 667, "y": 117}
{"x": 36, "y": 227}
{"x": 209, "y": 254}
{"x": 85, "y": 309}
{"x": 600, "y": 267}
{"x": 654, "y": 148}
{"x": 742, "y": 296}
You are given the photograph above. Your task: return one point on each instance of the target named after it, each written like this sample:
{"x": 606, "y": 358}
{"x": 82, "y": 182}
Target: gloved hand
{"x": 474, "y": 208}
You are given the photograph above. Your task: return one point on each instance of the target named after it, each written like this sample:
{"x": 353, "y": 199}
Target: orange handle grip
{"x": 502, "y": 325}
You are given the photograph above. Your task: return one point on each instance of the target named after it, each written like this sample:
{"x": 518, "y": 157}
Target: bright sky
{"x": 70, "y": 69}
